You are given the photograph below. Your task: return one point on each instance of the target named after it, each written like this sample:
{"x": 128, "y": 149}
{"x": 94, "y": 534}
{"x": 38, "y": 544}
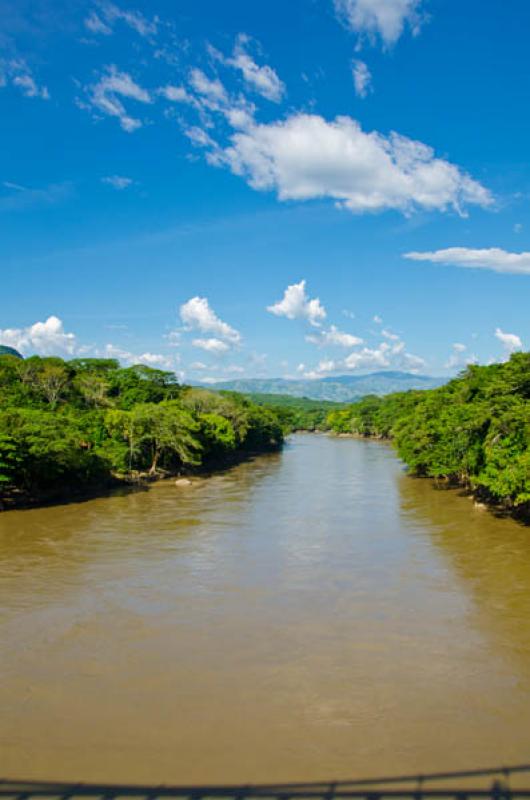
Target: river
{"x": 310, "y": 614}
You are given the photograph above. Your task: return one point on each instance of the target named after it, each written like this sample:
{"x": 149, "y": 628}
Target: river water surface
{"x": 310, "y": 614}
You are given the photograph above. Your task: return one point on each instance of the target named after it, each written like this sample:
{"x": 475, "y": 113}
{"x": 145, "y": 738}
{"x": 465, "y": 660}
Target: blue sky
{"x": 266, "y": 189}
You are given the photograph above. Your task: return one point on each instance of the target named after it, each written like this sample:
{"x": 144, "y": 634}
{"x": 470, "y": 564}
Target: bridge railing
{"x": 497, "y": 786}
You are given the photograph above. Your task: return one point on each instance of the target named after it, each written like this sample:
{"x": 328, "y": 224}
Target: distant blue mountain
{"x": 9, "y": 351}
{"x": 341, "y": 388}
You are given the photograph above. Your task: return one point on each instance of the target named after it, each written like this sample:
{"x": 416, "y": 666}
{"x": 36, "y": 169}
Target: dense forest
{"x": 76, "y": 426}
{"x": 297, "y": 413}
{"x": 473, "y": 432}
{"x": 69, "y": 427}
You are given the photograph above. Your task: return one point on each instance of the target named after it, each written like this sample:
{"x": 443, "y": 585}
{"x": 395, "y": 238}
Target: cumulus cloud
{"x": 263, "y": 80}
{"x": 460, "y": 357}
{"x": 104, "y": 96}
{"x": 295, "y": 304}
{"x": 362, "y": 78}
{"x": 49, "y": 338}
{"x": 332, "y": 337}
{"x": 493, "y": 258}
{"x": 196, "y": 314}
{"x": 385, "y": 19}
{"x": 306, "y": 157}
{"x": 510, "y": 341}
{"x": 155, "y": 360}
{"x": 384, "y": 356}
{"x": 46, "y": 338}
{"x": 211, "y": 345}
{"x": 369, "y": 358}
{"x": 118, "y": 182}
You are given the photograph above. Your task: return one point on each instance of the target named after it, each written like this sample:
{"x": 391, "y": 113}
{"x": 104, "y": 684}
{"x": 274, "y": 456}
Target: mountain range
{"x": 341, "y": 388}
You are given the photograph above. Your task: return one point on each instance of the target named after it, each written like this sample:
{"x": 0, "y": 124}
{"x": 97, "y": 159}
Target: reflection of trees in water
{"x": 45, "y": 551}
{"x": 489, "y": 556}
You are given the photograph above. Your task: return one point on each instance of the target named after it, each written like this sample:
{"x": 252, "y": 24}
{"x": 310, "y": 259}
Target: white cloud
{"x": 198, "y": 365}
{"x": 17, "y": 187}
{"x": 155, "y": 360}
{"x": 118, "y": 182}
{"x": 369, "y": 358}
{"x": 263, "y": 80}
{"x": 322, "y": 368}
{"x": 95, "y": 24}
{"x": 492, "y": 258}
{"x": 29, "y": 88}
{"x": 211, "y": 89}
{"x": 210, "y": 95}
{"x": 460, "y": 357}
{"x": 42, "y": 338}
{"x": 384, "y": 356}
{"x": 17, "y": 72}
{"x": 173, "y": 338}
{"x": 306, "y": 157}
{"x": 510, "y": 341}
{"x": 112, "y": 13}
{"x": 177, "y": 94}
{"x": 105, "y": 96}
{"x": 377, "y": 319}
{"x": 196, "y": 314}
{"x": 199, "y": 137}
{"x": 211, "y": 345}
{"x": 21, "y": 197}
{"x": 362, "y": 78}
{"x": 389, "y": 335}
{"x": 295, "y": 304}
{"x": 383, "y": 18}
{"x": 333, "y": 337}
{"x": 49, "y": 338}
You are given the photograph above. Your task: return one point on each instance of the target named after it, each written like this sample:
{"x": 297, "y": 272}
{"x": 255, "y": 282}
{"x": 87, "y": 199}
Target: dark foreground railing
{"x": 408, "y": 787}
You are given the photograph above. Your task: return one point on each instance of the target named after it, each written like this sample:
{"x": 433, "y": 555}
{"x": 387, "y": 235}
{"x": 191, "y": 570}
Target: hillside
{"x": 339, "y": 389}
{"x": 9, "y": 351}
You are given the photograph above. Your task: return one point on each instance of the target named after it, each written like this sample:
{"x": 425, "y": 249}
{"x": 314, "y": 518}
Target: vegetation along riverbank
{"x": 69, "y": 428}
{"x": 473, "y": 432}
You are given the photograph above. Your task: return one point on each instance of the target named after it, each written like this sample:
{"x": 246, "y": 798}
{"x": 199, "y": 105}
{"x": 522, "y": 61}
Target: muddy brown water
{"x": 307, "y": 615}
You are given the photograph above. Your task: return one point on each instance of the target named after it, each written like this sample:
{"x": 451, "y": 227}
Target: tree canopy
{"x": 68, "y": 425}
{"x": 474, "y": 431}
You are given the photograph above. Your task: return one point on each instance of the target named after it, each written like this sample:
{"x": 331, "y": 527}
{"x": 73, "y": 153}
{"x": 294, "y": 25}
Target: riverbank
{"x": 17, "y": 500}
{"x": 82, "y": 427}
{"x": 480, "y": 496}
{"x": 472, "y": 433}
